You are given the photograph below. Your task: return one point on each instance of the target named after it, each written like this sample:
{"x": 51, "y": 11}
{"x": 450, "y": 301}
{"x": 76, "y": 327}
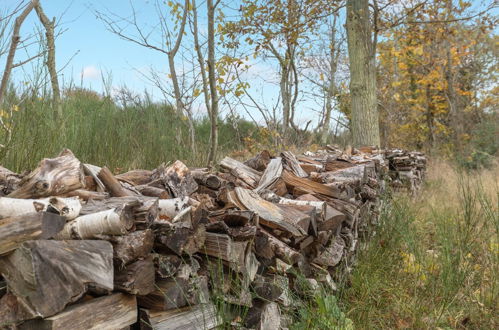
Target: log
{"x": 203, "y": 316}
{"x": 291, "y": 164}
{"x": 169, "y": 208}
{"x": 176, "y": 178}
{"x": 270, "y": 215}
{"x": 268, "y": 246}
{"x": 260, "y": 161}
{"x": 136, "y": 278}
{"x": 308, "y": 186}
{"x": 110, "y": 312}
{"x": 271, "y": 175}
{"x": 136, "y": 177}
{"x": 9, "y": 181}
{"x": 263, "y": 315}
{"x": 243, "y": 172}
{"x": 144, "y": 210}
{"x": 52, "y": 177}
{"x": 117, "y": 221}
{"x": 16, "y": 230}
{"x": 12, "y": 311}
{"x": 206, "y": 179}
{"x": 93, "y": 172}
{"x": 153, "y": 191}
{"x": 48, "y": 275}
{"x": 176, "y": 293}
{"x": 179, "y": 239}
{"x": 133, "y": 246}
{"x": 87, "y": 194}
{"x": 267, "y": 288}
{"x": 112, "y": 184}
{"x": 333, "y": 254}
{"x": 69, "y": 208}
{"x": 223, "y": 247}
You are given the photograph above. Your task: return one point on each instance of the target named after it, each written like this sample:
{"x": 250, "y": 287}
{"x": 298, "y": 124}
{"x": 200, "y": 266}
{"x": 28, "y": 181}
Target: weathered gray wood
{"x": 130, "y": 247}
{"x": 245, "y": 173}
{"x": 48, "y": 275}
{"x": 9, "y": 181}
{"x": 175, "y": 293}
{"x": 270, "y": 215}
{"x": 110, "y": 312}
{"x": 260, "y": 161}
{"x": 180, "y": 239}
{"x": 207, "y": 179}
{"x": 223, "y": 247}
{"x": 136, "y": 278}
{"x": 16, "y": 230}
{"x": 271, "y": 175}
{"x": 203, "y": 316}
{"x": 136, "y": 177}
{"x": 263, "y": 315}
{"x": 177, "y": 178}
{"x": 291, "y": 163}
{"x": 52, "y": 177}
{"x": 112, "y": 184}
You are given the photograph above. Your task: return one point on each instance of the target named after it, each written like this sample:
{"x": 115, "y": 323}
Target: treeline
{"x": 415, "y": 74}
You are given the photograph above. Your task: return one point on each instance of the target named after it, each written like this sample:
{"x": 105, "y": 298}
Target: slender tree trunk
{"x": 213, "y": 83}
{"x": 49, "y": 26}
{"x": 9, "y": 63}
{"x": 451, "y": 94}
{"x": 364, "y": 123}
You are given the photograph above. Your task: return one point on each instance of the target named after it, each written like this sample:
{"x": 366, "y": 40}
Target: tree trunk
{"x": 213, "y": 83}
{"x": 364, "y": 121}
{"x": 9, "y": 63}
{"x": 51, "y": 67}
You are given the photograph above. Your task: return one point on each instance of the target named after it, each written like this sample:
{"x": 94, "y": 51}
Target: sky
{"x": 86, "y": 51}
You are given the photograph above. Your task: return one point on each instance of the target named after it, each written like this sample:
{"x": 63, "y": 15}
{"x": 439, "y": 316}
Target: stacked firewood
{"x": 82, "y": 248}
{"x": 406, "y": 169}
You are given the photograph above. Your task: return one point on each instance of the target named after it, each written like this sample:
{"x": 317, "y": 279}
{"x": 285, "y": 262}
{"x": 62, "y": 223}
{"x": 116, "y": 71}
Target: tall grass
{"x": 141, "y": 134}
{"x": 434, "y": 261}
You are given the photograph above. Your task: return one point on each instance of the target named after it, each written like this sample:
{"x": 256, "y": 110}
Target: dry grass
{"x": 434, "y": 262}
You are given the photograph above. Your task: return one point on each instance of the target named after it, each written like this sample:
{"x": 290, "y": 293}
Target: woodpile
{"x": 82, "y": 248}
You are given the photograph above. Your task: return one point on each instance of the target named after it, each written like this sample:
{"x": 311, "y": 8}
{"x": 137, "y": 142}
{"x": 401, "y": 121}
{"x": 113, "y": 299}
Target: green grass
{"x": 434, "y": 261}
{"x": 139, "y": 135}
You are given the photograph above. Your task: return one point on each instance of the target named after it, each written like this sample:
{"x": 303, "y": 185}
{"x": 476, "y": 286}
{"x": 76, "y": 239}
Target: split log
{"x": 153, "y": 191}
{"x": 52, "y": 177}
{"x": 271, "y": 175}
{"x": 243, "y": 172}
{"x": 223, "y": 247}
{"x": 87, "y": 194}
{"x": 308, "y": 186}
{"x": 110, "y": 312}
{"x": 333, "y": 164}
{"x": 270, "y": 215}
{"x": 9, "y": 181}
{"x": 291, "y": 163}
{"x": 268, "y": 246}
{"x": 332, "y": 218}
{"x": 136, "y": 278}
{"x": 266, "y": 288}
{"x": 48, "y": 275}
{"x": 179, "y": 239}
{"x": 202, "y": 316}
{"x": 93, "y": 171}
{"x": 16, "y": 230}
{"x": 176, "y": 293}
{"x": 133, "y": 246}
{"x": 69, "y": 208}
{"x": 136, "y": 177}
{"x": 117, "y": 221}
{"x": 207, "y": 179}
{"x": 12, "y": 311}
{"x": 260, "y": 161}
{"x": 333, "y": 254}
{"x": 177, "y": 178}
{"x": 112, "y": 184}
{"x": 263, "y": 315}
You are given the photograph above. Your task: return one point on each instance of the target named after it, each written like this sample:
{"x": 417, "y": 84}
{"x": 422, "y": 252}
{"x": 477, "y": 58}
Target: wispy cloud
{"x": 90, "y": 72}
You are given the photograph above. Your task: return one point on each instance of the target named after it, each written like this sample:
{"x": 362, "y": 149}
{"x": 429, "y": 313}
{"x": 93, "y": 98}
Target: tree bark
{"x": 213, "y": 83}
{"x": 364, "y": 121}
{"x": 51, "y": 67}
{"x": 9, "y": 63}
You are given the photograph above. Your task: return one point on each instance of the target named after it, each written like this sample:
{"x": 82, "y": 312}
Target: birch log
{"x": 69, "y": 208}
{"x": 117, "y": 221}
